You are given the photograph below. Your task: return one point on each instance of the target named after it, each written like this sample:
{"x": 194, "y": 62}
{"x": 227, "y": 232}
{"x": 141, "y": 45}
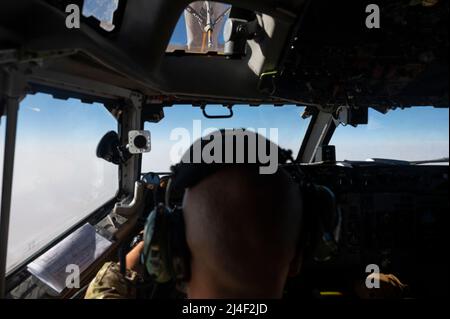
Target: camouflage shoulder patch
{"x": 109, "y": 283}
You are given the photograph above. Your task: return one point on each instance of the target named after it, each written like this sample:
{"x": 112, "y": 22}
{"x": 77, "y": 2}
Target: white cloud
{"x": 54, "y": 187}
{"x": 34, "y": 109}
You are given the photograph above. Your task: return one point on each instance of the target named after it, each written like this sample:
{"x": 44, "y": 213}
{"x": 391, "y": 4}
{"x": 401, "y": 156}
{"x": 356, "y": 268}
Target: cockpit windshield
{"x": 183, "y": 124}
{"x": 421, "y": 135}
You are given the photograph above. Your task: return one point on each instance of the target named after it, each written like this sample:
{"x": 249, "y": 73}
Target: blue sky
{"x": 179, "y": 34}
{"x": 103, "y": 10}
{"x": 287, "y": 119}
{"x": 42, "y": 116}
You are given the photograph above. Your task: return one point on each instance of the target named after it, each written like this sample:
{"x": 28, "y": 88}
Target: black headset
{"x": 166, "y": 255}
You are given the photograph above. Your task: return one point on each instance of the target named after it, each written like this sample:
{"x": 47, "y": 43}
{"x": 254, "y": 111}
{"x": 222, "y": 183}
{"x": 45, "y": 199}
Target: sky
{"x": 417, "y": 133}
{"x": 287, "y": 119}
{"x": 179, "y": 34}
{"x": 103, "y": 10}
{"x": 58, "y": 180}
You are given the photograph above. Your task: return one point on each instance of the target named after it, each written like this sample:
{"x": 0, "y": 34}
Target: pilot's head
{"x": 242, "y": 229}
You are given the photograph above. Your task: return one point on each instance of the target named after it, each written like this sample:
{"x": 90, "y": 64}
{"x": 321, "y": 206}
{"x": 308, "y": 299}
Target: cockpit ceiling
{"x": 309, "y": 52}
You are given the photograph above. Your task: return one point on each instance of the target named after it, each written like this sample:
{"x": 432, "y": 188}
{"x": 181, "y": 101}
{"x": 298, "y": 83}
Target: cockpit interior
{"x": 366, "y": 78}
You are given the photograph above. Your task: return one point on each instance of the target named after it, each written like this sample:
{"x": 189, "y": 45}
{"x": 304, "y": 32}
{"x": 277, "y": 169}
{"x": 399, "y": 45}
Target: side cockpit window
{"x": 58, "y": 180}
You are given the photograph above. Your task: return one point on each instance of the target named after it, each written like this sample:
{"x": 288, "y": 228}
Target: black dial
{"x": 140, "y": 141}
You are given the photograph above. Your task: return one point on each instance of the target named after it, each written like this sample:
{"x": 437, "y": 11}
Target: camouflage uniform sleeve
{"x": 109, "y": 283}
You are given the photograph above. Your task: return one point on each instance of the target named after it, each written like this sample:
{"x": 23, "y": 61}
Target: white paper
{"x": 81, "y": 248}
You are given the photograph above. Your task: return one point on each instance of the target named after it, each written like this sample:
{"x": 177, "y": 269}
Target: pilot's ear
{"x": 296, "y": 264}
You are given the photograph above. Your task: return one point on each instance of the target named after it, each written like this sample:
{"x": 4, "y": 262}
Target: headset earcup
{"x": 156, "y": 241}
{"x": 180, "y": 259}
{"x": 166, "y": 253}
{"x": 325, "y": 246}
{"x": 319, "y": 223}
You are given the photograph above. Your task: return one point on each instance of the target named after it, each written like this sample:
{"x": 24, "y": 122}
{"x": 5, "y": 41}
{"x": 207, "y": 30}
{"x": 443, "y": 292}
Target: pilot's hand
{"x": 390, "y": 288}
{"x": 133, "y": 258}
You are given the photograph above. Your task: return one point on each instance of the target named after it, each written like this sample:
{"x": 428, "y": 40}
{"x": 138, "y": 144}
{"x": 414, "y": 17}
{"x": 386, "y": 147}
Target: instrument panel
{"x": 394, "y": 216}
